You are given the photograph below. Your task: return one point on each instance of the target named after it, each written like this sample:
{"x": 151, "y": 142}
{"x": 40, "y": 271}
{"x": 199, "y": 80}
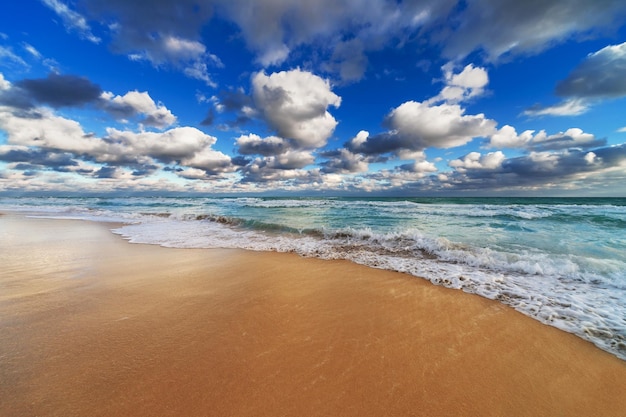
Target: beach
{"x": 92, "y": 325}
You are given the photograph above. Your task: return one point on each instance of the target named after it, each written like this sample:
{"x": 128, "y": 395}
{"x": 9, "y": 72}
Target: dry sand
{"x": 91, "y": 325}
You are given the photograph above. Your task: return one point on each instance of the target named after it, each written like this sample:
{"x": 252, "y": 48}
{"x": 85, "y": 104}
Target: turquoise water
{"x": 559, "y": 260}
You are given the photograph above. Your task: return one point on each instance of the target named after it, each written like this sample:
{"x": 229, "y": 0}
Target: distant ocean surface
{"x": 561, "y": 261}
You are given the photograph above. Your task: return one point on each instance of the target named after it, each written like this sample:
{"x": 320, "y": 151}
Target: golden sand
{"x": 91, "y": 325}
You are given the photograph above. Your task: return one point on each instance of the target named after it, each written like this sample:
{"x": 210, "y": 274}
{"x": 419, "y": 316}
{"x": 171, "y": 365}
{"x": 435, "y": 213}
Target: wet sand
{"x": 91, "y": 325}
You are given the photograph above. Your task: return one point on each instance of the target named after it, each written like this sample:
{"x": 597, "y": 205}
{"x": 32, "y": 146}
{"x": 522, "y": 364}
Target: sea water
{"x": 561, "y": 261}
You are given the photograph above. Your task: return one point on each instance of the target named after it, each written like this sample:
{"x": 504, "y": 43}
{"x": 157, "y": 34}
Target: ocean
{"x": 561, "y": 261}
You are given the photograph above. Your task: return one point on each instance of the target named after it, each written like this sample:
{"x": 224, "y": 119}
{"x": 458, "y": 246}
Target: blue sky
{"x": 422, "y": 97}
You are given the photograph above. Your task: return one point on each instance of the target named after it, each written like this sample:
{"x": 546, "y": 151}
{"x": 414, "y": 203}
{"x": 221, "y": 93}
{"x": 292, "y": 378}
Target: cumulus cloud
{"x": 420, "y": 166}
{"x": 469, "y": 83}
{"x": 511, "y": 27}
{"x": 55, "y": 135}
{"x": 47, "y": 131}
{"x": 507, "y": 137}
{"x": 36, "y": 157}
{"x": 601, "y": 75}
{"x": 73, "y": 21}
{"x": 211, "y": 161}
{"x": 415, "y": 126}
{"x": 342, "y": 161}
{"x": 535, "y": 170}
{"x": 285, "y": 167}
{"x": 173, "y": 145}
{"x": 136, "y": 103}
{"x": 255, "y": 145}
{"x": 294, "y": 104}
{"x": 477, "y": 161}
{"x": 4, "y": 84}
{"x": 59, "y": 91}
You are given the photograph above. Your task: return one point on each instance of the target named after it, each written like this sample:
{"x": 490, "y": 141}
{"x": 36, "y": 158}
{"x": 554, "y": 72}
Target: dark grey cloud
{"x": 235, "y": 100}
{"x": 349, "y": 60}
{"x": 58, "y": 90}
{"x": 539, "y": 169}
{"x": 342, "y": 161}
{"x": 566, "y": 142}
{"x": 387, "y": 142}
{"x": 39, "y": 157}
{"x": 513, "y": 27}
{"x": 284, "y": 167}
{"x": 107, "y": 172}
{"x": 209, "y": 119}
{"x": 255, "y": 145}
{"x": 17, "y": 99}
{"x": 345, "y": 31}
{"x": 167, "y": 33}
{"x": 142, "y": 25}
{"x": 601, "y": 75}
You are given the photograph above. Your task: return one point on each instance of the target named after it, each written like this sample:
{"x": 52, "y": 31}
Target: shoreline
{"x": 96, "y": 326}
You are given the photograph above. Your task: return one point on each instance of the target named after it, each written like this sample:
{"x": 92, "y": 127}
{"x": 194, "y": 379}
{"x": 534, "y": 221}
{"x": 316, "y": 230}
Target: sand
{"x": 91, "y": 325}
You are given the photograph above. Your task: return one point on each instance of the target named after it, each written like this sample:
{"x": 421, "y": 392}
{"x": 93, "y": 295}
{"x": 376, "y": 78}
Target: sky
{"x": 326, "y": 97}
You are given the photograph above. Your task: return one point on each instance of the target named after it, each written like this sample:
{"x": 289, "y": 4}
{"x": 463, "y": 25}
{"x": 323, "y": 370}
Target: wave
{"x": 564, "y": 291}
{"x": 561, "y": 264}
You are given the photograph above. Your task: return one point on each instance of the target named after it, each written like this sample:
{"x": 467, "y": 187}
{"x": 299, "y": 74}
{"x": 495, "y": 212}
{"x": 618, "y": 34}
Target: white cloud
{"x": 420, "y": 166}
{"x": 290, "y": 160}
{"x": 135, "y": 103}
{"x": 343, "y": 161}
{"x": 178, "y": 49}
{"x": 209, "y": 160}
{"x": 443, "y": 126}
{"x": 590, "y": 157}
{"x": 7, "y": 55}
{"x": 477, "y": 161}
{"x": 543, "y": 161}
{"x": 4, "y": 84}
{"x": 295, "y": 104}
{"x": 72, "y": 20}
{"x": 32, "y": 50}
{"x": 572, "y": 107}
{"x": 469, "y": 83}
{"x": 192, "y": 174}
{"x": 507, "y": 137}
{"x": 273, "y": 55}
{"x": 189, "y": 55}
{"x": 48, "y": 131}
{"x": 174, "y": 144}
{"x": 439, "y": 122}
{"x": 200, "y": 71}
{"x": 187, "y": 146}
